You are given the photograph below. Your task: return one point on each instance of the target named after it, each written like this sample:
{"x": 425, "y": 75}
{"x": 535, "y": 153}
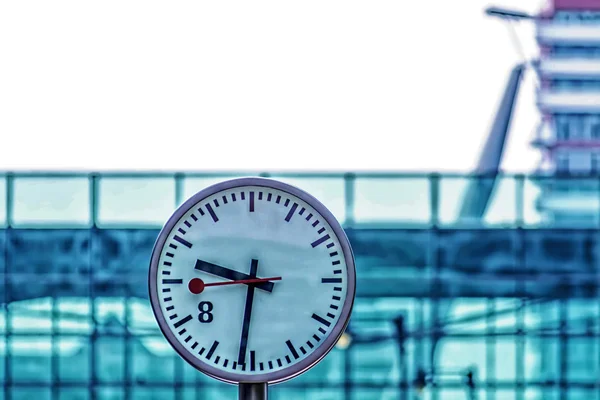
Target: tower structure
{"x": 568, "y": 34}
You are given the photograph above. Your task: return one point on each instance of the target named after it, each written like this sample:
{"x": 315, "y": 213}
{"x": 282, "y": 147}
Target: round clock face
{"x": 252, "y": 280}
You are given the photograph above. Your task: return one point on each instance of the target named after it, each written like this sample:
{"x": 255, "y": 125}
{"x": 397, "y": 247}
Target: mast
{"x": 479, "y": 191}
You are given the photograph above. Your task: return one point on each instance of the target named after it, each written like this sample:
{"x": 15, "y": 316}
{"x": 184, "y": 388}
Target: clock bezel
{"x": 269, "y": 377}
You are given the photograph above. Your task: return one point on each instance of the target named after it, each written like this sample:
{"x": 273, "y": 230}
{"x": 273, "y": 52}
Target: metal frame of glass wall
{"x": 63, "y": 232}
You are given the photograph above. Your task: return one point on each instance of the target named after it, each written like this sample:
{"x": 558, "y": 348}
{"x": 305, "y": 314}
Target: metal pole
{"x": 253, "y": 391}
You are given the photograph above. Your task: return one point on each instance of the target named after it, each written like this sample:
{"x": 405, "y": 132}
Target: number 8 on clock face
{"x": 252, "y": 280}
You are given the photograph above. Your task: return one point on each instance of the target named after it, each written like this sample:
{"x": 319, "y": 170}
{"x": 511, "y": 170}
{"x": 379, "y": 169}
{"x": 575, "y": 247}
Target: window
{"x": 595, "y": 167}
{"x": 562, "y": 129}
{"x": 576, "y": 126}
{"x": 595, "y": 130}
{"x": 575, "y": 51}
{"x": 562, "y": 163}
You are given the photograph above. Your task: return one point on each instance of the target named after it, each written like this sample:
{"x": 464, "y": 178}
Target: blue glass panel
{"x": 109, "y": 356}
{"x": 471, "y": 311}
{"x": 193, "y": 185}
{"x": 30, "y": 358}
{"x": 284, "y": 393}
{"x": 2, "y": 255}
{"x": 376, "y": 362}
{"x": 379, "y": 393}
{"x": 452, "y": 192}
{"x": 329, "y": 371}
{"x": 51, "y": 201}
{"x": 3, "y": 205}
{"x": 109, "y": 393}
{"x": 73, "y": 394}
{"x": 73, "y": 315}
{"x": 135, "y": 201}
{"x": 531, "y": 193}
{"x": 506, "y": 359}
{"x": 459, "y": 192}
{"x": 582, "y": 367}
{"x": 3, "y": 334}
{"x": 329, "y": 191}
{"x": 502, "y": 209}
{"x": 506, "y": 394}
{"x": 221, "y": 392}
{"x": 61, "y": 256}
{"x": 187, "y": 374}
{"x": 33, "y": 316}
{"x": 30, "y": 393}
{"x": 582, "y": 394}
{"x": 445, "y": 393}
{"x": 392, "y": 200}
{"x": 536, "y": 393}
{"x": 74, "y": 364}
{"x": 190, "y": 393}
{"x": 452, "y": 355}
{"x": 154, "y": 365}
{"x": 140, "y": 393}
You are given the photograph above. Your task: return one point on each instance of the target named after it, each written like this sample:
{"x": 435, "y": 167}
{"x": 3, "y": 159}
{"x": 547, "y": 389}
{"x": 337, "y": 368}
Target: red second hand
{"x": 197, "y": 285}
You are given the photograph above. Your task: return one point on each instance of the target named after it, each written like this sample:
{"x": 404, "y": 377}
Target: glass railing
{"x": 358, "y": 200}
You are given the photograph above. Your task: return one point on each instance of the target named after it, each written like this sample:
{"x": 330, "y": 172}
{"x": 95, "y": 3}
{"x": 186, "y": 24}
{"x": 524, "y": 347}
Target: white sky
{"x": 276, "y": 85}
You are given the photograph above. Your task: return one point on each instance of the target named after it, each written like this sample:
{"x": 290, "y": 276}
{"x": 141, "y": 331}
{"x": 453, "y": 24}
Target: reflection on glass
{"x": 385, "y": 200}
{"x": 143, "y": 201}
{"x": 130, "y": 200}
{"x": 82, "y": 322}
{"x": 54, "y": 201}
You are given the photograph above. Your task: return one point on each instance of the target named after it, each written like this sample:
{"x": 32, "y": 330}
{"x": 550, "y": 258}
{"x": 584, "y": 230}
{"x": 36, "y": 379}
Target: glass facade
{"x": 505, "y": 307}
{"x": 571, "y": 129}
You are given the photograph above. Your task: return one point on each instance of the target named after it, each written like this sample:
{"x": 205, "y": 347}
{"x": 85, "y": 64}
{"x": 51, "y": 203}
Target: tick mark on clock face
{"x": 182, "y": 321}
{"x": 292, "y": 349}
{"x": 290, "y": 214}
{"x": 182, "y": 241}
{"x": 321, "y": 320}
{"x": 212, "y": 213}
{"x": 319, "y": 241}
{"x": 212, "y": 349}
{"x": 172, "y": 281}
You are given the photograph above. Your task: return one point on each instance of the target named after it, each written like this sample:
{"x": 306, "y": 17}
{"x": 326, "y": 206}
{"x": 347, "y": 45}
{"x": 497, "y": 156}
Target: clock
{"x": 252, "y": 280}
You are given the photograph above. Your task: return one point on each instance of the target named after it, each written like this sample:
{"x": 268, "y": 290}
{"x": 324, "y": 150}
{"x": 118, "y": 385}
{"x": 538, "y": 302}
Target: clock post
{"x": 253, "y": 391}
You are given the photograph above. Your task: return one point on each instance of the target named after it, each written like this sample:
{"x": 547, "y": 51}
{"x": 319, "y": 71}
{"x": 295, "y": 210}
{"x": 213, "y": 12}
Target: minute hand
{"x": 231, "y": 274}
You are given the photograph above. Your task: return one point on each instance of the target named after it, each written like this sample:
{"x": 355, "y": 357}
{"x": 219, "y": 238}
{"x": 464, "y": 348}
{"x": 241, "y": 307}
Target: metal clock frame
{"x": 295, "y": 369}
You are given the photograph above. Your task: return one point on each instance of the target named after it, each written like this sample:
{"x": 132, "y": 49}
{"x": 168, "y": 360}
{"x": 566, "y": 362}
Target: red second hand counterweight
{"x": 197, "y": 285}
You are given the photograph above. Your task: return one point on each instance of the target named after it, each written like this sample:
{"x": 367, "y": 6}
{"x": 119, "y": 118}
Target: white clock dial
{"x": 252, "y": 280}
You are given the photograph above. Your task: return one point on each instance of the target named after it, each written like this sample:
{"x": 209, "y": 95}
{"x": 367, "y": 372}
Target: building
{"x": 568, "y": 33}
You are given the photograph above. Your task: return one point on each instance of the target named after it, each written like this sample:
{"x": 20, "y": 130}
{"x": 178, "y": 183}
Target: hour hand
{"x": 231, "y": 274}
